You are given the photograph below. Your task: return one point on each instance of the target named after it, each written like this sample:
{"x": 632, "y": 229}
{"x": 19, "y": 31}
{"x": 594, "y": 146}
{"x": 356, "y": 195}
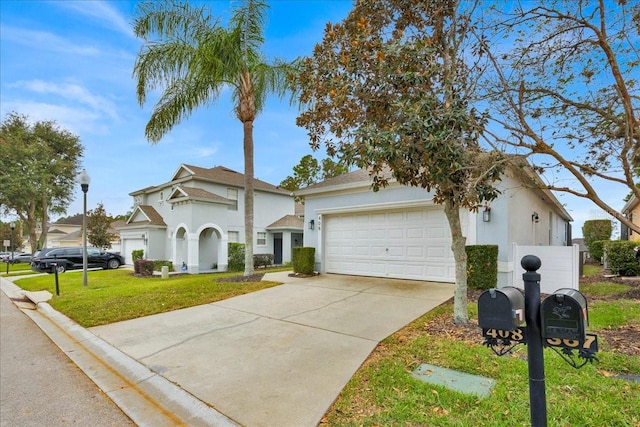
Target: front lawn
{"x": 115, "y": 295}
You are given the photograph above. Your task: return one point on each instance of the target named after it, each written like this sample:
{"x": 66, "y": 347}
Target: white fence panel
{"x": 559, "y": 267}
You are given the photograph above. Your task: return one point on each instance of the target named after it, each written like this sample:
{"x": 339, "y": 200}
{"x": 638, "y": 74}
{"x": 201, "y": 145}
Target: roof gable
{"x": 182, "y": 193}
{"x": 146, "y": 214}
{"x": 218, "y": 175}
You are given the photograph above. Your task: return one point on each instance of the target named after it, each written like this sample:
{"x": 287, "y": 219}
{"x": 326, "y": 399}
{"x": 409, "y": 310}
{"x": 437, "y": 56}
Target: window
{"x": 234, "y": 237}
{"x": 232, "y": 194}
{"x": 262, "y": 238}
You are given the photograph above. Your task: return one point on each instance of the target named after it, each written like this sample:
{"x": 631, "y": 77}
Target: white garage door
{"x": 405, "y": 244}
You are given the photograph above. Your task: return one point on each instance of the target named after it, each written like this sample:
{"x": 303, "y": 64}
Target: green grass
{"x": 604, "y": 289}
{"x": 591, "y": 269}
{"x": 19, "y": 269}
{"x": 115, "y": 295}
{"x": 613, "y": 314}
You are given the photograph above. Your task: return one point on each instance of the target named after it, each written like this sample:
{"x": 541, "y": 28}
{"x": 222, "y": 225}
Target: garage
{"x": 129, "y": 245}
{"x": 405, "y": 244}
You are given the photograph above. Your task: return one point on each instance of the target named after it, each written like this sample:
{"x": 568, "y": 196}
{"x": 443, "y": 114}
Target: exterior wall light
{"x": 486, "y": 214}
{"x": 535, "y": 217}
{"x": 312, "y": 224}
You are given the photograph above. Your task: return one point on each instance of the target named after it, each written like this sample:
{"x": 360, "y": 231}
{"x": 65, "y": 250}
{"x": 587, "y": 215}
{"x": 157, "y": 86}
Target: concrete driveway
{"x": 280, "y": 356}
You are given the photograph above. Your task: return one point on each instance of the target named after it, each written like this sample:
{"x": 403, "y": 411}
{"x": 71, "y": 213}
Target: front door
{"x": 277, "y": 248}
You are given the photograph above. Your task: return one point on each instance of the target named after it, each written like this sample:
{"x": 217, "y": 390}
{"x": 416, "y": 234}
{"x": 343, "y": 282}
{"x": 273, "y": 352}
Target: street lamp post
{"x": 12, "y": 225}
{"x": 84, "y": 180}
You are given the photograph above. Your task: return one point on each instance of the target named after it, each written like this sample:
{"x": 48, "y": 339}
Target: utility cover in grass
{"x": 454, "y": 380}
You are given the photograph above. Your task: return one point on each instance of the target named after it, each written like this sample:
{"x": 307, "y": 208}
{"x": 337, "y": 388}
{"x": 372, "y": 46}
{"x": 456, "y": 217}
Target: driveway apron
{"x": 280, "y": 356}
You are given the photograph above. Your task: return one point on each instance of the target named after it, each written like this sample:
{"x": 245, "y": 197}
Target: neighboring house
{"x": 65, "y": 232}
{"x": 631, "y": 210}
{"x": 399, "y": 232}
{"x": 191, "y": 219}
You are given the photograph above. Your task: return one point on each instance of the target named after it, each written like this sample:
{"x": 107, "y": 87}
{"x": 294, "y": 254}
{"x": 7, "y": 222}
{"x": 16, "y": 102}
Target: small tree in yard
{"x": 388, "y": 90}
{"x": 596, "y": 229}
{"x": 98, "y": 228}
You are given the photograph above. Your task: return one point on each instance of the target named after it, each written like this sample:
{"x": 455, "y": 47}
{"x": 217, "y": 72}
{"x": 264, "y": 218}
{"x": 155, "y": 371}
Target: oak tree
{"x": 39, "y": 163}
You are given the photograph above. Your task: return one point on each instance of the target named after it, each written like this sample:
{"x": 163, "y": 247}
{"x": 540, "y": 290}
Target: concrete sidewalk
{"x": 280, "y": 356}
{"x": 276, "y": 357}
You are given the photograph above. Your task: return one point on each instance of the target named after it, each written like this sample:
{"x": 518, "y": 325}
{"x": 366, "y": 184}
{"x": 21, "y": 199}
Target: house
{"x": 631, "y": 210}
{"x": 191, "y": 219}
{"x": 400, "y": 232}
{"x": 67, "y": 232}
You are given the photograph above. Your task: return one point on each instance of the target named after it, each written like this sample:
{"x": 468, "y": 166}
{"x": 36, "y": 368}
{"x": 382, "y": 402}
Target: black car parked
{"x": 71, "y": 259}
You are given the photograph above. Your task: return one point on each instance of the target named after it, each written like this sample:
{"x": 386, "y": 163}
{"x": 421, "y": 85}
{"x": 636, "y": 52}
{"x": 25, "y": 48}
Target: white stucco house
{"x": 192, "y": 217}
{"x": 399, "y": 232}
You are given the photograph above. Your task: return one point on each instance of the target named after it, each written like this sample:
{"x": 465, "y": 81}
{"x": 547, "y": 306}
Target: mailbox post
{"x": 535, "y": 353}
{"x": 559, "y": 322}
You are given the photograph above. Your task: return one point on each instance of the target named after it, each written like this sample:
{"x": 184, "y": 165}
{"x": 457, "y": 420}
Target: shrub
{"x": 262, "y": 260}
{"x": 236, "y": 257}
{"x": 304, "y": 260}
{"x": 143, "y": 267}
{"x": 137, "y": 254}
{"x": 159, "y": 263}
{"x": 621, "y": 258}
{"x": 482, "y": 266}
{"x": 596, "y": 250}
{"x": 595, "y": 230}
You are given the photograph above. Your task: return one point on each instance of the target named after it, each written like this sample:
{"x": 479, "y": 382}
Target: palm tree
{"x": 193, "y": 58}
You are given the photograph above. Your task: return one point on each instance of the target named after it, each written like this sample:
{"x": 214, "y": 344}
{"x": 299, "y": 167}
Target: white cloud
{"x": 72, "y": 92}
{"x": 102, "y": 13}
{"x": 43, "y": 40}
{"x": 76, "y": 120}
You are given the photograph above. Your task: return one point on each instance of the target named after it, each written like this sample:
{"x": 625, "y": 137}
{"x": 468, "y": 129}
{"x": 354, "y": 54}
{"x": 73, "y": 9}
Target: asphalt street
{"x": 40, "y": 386}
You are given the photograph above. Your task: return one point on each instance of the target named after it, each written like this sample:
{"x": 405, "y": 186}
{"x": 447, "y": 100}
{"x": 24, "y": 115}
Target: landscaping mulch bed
{"x": 625, "y": 340}
{"x": 240, "y": 278}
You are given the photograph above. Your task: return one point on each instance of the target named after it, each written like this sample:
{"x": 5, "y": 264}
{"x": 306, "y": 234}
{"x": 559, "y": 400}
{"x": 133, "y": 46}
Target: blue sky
{"x": 71, "y": 61}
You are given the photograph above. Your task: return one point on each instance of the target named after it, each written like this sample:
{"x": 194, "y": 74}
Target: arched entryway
{"x": 208, "y": 245}
{"x": 181, "y": 247}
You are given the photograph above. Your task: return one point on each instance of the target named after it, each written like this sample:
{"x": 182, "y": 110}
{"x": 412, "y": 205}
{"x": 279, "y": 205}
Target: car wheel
{"x": 61, "y": 268}
{"x": 112, "y": 264}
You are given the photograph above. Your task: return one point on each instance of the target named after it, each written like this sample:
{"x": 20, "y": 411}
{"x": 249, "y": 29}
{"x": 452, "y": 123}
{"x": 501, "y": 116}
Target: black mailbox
{"x": 563, "y": 314}
{"x": 501, "y": 309}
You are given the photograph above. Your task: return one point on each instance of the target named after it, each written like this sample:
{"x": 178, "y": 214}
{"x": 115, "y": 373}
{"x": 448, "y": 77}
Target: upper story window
{"x": 262, "y": 238}
{"x": 234, "y": 237}
{"x": 232, "y": 194}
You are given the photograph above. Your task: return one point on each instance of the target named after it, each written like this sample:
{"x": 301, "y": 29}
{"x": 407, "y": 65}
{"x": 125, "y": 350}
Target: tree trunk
{"x": 458, "y": 243}
{"x": 248, "y": 197}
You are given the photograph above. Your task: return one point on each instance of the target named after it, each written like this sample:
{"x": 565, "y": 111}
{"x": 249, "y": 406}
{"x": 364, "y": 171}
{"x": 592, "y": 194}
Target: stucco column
{"x": 193, "y": 255}
{"x": 223, "y": 253}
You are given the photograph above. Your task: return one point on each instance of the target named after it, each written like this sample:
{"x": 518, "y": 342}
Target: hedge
{"x": 482, "y": 266}
{"x": 621, "y": 258}
{"x": 304, "y": 260}
{"x": 137, "y": 254}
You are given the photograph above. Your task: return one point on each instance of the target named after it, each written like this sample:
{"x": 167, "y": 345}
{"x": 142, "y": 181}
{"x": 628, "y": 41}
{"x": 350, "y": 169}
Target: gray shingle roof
{"x": 289, "y": 222}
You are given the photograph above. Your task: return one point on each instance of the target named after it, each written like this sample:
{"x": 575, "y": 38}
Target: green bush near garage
{"x": 304, "y": 260}
{"x": 482, "y": 266}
